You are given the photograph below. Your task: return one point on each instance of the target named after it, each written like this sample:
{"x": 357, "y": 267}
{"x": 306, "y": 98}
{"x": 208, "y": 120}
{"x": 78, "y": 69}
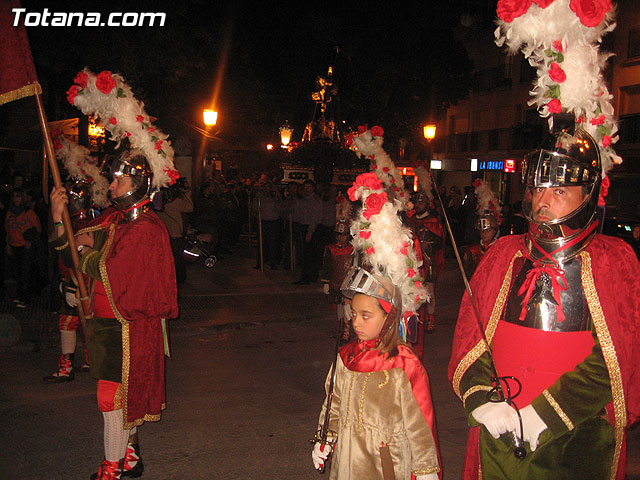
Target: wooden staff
{"x": 260, "y": 235}
{"x": 66, "y": 219}
{"x": 292, "y": 250}
{"x": 45, "y": 176}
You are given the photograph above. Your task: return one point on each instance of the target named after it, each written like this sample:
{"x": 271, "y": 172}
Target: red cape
{"x": 616, "y": 275}
{"x": 141, "y": 283}
{"x": 356, "y": 359}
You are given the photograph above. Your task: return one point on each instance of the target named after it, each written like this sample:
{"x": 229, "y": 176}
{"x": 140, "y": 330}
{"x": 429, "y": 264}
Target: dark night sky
{"x": 392, "y": 64}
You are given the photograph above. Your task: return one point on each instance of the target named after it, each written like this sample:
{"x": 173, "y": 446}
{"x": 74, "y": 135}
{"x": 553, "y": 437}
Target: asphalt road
{"x": 244, "y": 384}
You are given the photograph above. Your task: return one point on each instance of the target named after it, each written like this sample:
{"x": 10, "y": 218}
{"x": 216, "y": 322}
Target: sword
{"x": 497, "y": 389}
{"x": 321, "y": 435}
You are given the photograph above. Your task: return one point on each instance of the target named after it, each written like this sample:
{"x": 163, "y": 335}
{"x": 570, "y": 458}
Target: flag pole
{"x": 66, "y": 219}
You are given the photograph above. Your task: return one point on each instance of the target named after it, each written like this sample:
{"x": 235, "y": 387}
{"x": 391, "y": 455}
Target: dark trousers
{"x": 271, "y": 243}
{"x": 19, "y": 263}
{"x": 177, "y": 247}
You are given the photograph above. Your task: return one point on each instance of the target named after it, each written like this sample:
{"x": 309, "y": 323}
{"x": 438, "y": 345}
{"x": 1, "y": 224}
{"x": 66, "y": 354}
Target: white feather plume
{"x": 79, "y": 163}
{"x": 425, "y": 182}
{"x": 554, "y": 37}
{"x": 387, "y": 244}
{"x": 371, "y": 147}
{"x": 124, "y": 116}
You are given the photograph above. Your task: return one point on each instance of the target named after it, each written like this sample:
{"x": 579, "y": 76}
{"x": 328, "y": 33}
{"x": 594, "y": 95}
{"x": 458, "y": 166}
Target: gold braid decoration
{"x": 609, "y": 353}
{"x": 386, "y": 379}
{"x": 346, "y": 419}
{"x": 22, "y": 92}
{"x": 475, "y": 353}
{"x": 361, "y": 407}
{"x": 558, "y": 409}
{"x": 474, "y": 389}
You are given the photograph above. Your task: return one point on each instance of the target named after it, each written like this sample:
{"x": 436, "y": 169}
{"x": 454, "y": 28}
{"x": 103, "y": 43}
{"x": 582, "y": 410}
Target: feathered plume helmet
{"x": 561, "y": 39}
{"x": 79, "y": 164}
{"x": 488, "y": 208}
{"x": 384, "y": 243}
{"x": 425, "y": 183}
{"x": 107, "y": 97}
{"x": 369, "y": 143}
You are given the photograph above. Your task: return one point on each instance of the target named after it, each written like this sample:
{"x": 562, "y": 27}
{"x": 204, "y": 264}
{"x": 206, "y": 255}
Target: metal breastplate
{"x": 541, "y": 312}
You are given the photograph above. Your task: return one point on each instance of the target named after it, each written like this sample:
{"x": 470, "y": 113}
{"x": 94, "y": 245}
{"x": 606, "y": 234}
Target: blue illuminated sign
{"x": 491, "y": 165}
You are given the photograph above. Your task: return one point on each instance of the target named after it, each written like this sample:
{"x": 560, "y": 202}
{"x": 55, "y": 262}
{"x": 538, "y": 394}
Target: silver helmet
{"x": 132, "y": 164}
{"x": 569, "y": 157}
{"x": 80, "y": 199}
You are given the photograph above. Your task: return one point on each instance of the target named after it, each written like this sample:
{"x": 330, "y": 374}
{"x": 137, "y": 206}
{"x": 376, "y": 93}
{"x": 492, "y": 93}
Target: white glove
{"x": 498, "y": 418}
{"x": 532, "y": 426}
{"x": 428, "y": 476}
{"x": 320, "y": 454}
{"x": 71, "y": 299}
{"x": 325, "y": 288}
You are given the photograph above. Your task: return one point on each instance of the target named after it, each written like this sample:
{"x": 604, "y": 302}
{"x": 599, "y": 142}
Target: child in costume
{"x": 338, "y": 259}
{"x": 378, "y": 418}
{"x": 381, "y": 416}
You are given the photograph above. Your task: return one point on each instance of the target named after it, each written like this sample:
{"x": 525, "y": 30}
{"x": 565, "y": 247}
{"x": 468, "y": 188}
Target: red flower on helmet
{"x": 411, "y": 272}
{"x": 172, "y": 174}
{"x": 113, "y": 121}
{"x": 377, "y": 131}
{"x": 370, "y": 251}
{"x": 556, "y": 73}
{"x": 365, "y": 234}
{"x": 369, "y": 180}
{"x": 140, "y": 118}
{"x": 105, "y": 82}
{"x": 374, "y": 204}
{"x": 508, "y": 10}
{"x": 81, "y": 79}
{"x": 590, "y": 12}
{"x": 159, "y": 145}
{"x": 362, "y": 129}
{"x": 72, "y": 93}
{"x": 348, "y": 140}
{"x": 606, "y": 141}
{"x": 557, "y": 44}
{"x": 353, "y": 192}
{"x": 555, "y": 106}
{"x": 599, "y": 120}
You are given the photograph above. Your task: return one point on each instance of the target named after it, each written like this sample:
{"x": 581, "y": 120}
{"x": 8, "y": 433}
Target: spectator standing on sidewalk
{"x": 23, "y": 228}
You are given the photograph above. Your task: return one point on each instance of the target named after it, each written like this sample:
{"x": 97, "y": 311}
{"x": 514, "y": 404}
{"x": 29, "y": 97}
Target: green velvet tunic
{"x": 585, "y": 452}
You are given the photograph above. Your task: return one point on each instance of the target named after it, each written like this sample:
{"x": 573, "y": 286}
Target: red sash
{"x": 536, "y": 357}
{"x": 100, "y": 302}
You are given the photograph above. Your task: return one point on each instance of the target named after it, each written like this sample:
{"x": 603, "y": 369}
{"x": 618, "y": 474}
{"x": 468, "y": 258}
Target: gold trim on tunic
{"x": 558, "y": 409}
{"x": 490, "y": 329}
{"x": 610, "y": 358}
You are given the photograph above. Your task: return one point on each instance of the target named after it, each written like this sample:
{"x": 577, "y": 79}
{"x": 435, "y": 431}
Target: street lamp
{"x": 429, "y": 132}
{"x": 285, "y": 134}
{"x": 210, "y": 117}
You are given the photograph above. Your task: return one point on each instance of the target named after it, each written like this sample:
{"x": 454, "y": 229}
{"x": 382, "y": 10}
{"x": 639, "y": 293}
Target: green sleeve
{"x": 478, "y": 375}
{"x": 578, "y": 395}
{"x": 89, "y": 261}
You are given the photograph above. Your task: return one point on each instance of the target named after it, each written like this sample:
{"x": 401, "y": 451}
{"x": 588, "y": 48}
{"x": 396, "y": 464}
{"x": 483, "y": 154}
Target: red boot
{"x": 107, "y": 471}
{"x": 65, "y": 370}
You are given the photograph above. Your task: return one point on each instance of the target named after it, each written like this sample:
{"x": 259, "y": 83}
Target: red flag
{"x": 18, "y": 77}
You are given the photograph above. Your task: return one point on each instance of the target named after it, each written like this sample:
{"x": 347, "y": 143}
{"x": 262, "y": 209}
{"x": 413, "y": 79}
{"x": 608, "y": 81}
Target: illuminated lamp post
{"x": 285, "y": 135}
{"x": 429, "y": 132}
{"x": 210, "y": 117}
